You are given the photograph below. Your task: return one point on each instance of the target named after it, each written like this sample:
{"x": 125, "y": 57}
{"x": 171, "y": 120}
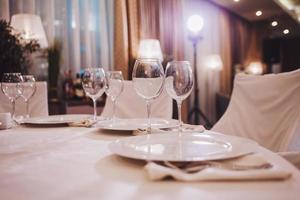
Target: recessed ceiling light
{"x": 286, "y": 31}
{"x": 274, "y": 23}
{"x": 258, "y": 13}
{"x": 236, "y": 0}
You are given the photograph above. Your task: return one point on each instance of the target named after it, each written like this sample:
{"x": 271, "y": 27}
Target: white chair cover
{"x": 130, "y": 105}
{"x": 38, "y": 104}
{"x": 266, "y": 109}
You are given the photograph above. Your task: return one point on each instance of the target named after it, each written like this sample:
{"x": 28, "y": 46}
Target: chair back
{"x": 131, "y": 105}
{"x": 38, "y": 103}
{"x": 264, "y": 108}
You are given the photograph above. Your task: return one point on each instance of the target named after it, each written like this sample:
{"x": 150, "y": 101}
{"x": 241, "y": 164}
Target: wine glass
{"x": 179, "y": 83}
{"x": 148, "y": 80}
{"x": 12, "y": 88}
{"x": 29, "y": 88}
{"x": 114, "y": 87}
{"x": 94, "y": 83}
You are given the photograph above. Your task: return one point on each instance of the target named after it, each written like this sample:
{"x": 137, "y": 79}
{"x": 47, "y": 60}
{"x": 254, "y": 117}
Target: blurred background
{"x": 219, "y": 37}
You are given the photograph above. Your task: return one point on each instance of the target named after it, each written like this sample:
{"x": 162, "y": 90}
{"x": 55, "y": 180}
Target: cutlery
{"x": 193, "y": 167}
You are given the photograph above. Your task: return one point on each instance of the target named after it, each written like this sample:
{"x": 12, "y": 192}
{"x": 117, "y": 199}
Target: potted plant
{"x": 14, "y": 50}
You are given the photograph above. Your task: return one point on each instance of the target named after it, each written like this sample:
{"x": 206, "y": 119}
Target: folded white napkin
{"x": 222, "y": 171}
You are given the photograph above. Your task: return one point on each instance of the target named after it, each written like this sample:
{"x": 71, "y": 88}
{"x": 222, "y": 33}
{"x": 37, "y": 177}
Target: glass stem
{"x": 13, "y": 103}
{"x": 148, "y": 116}
{"x": 179, "y": 115}
{"x": 114, "y": 110}
{"x": 27, "y": 108}
{"x": 95, "y": 109}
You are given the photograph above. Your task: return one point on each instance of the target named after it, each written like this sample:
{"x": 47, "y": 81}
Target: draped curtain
{"x": 126, "y": 34}
{"x": 163, "y": 20}
{"x": 82, "y": 27}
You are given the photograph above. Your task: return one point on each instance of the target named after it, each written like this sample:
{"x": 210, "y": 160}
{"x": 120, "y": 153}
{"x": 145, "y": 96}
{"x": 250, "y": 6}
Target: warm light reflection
{"x": 150, "y": 48}
{"x": 255, "y": 68}
{"x": 151, "y": 148}
{"x": 30, "y": 26}
{"x": 214, "y": 62}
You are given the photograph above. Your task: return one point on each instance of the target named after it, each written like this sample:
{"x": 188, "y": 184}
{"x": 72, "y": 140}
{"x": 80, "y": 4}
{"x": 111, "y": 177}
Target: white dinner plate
{"x": 182, "y": 147}
{"x": 56, "y": 119}
{"x": 136, "y": 123}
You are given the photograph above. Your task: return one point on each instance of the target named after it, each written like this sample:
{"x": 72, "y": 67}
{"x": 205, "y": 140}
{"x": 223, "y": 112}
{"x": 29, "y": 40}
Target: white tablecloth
{"x": 75, "y": 163}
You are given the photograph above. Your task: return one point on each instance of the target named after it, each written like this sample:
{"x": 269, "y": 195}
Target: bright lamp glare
{"x": 255, "y": 68}
{"x": 195, "y": 23}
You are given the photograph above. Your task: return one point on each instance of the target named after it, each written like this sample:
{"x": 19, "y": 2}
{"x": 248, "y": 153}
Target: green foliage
{"x": 14, "y": 50}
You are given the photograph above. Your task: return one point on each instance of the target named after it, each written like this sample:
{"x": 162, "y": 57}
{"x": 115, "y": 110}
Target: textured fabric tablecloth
{"x": 75, "y": 163}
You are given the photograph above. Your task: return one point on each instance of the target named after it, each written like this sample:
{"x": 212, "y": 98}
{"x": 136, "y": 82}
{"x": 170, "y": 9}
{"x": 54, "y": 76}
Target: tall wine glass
{"x": 94, "y": 83}
{"x": 12, "y": 88}
{"x": 148, "y": 80}
{"x": 114, "y": 87}
{"x": 179, "y": 83}
{"x": 29, "y": 88}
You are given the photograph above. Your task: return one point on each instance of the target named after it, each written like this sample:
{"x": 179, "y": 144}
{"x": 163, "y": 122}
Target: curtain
{"x": 82, "y": 27}
{"x": 163, "y": 20}
{"x": 225, "y": 54}
{"x": 127, "y": 35}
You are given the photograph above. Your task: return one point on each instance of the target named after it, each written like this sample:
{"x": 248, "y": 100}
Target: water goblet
{"x": 114, "y": 87}
{"x": 179, "y": 83}
{"x": 148, "y": 80}
{"x": 29, "y": 88}
{"x": 94, "y": 83}
{"x": 12, "y": 88}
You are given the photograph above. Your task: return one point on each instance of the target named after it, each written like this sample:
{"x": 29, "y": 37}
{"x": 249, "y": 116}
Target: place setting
{"x": 192, "y": 157}
{"x": 169, "y": 148}
{"x": 180, "y": 151}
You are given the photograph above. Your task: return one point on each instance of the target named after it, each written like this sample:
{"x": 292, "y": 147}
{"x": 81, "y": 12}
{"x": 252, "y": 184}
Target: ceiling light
{"x": 236, "y": 0}
{"x": 274, "y": 23}
{"x": 258, "y": 13}
{"x": 286, "y": 31}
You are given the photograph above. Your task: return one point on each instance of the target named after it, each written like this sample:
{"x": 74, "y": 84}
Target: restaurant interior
{"x": 149, "y": 99}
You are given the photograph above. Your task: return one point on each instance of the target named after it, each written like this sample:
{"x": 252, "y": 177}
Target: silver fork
{"x": 229, "y": 166}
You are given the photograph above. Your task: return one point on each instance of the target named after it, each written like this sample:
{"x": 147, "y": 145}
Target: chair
{"x": 266, "y": 109}
{"x": 130, "y": 105}
{"x": 38, "y": 103}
